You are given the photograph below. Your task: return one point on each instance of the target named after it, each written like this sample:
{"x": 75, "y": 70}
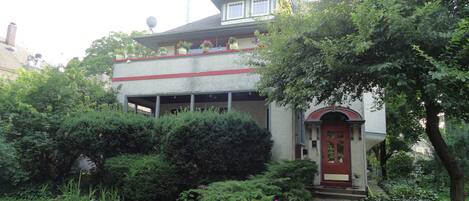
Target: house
{"x": 12, "y": 57}
{"x": 335, "y": 137}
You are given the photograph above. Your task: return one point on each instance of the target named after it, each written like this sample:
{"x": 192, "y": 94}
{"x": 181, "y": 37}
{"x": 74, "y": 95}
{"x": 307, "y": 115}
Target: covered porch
{"x": 249, "y": 102}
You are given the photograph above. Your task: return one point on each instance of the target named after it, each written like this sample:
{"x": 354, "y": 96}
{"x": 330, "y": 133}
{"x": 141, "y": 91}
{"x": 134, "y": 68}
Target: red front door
{"x": 335, "y": 163}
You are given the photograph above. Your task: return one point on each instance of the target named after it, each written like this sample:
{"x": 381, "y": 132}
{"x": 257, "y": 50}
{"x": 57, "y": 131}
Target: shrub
{"x": 299, "y": 171}
{"x": 282, "y": 180}
{"x": 35, "y": 104}
{"x": 116, "y": 169}
{"x": 143, "y": 177}
{"x": 400, "y": 165}
{"x": 209, "y": 146}
{"x": 255, "y": 189}
{"x": 104, "y": 134}
{"x": 407, "y": 190}
{"x": 10, "y": 171}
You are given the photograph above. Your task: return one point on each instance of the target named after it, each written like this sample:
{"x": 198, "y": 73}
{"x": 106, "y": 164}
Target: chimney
{"x": 11, "y": 34}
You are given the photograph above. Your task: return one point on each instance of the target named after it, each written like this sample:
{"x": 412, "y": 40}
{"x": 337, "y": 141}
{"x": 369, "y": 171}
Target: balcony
{"x": 221, "y": 71}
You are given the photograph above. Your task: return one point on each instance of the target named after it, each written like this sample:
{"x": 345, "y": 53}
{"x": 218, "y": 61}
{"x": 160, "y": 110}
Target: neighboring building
{"x": 335, "y": 137}
{"x": 12, "y": 57}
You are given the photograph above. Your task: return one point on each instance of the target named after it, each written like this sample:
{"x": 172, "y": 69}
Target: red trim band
{"x": 181, "y": 55}
{"x": 184, "y": 75}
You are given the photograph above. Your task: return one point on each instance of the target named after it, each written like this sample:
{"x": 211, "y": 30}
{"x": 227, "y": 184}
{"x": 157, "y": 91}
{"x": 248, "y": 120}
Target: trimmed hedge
{"x": 282, "y": 181}
{"x": 300, "y": 173}
{"x": 209, "y": 146}
{"x": 142, "y": 177}
{"x": 103, "y": 134}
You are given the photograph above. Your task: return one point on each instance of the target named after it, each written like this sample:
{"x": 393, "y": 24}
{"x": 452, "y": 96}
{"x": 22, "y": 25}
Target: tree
{"x": 334, "y": 51}
{"x": 99, "y": 56}
{"x": 403, "y": 130}
{"x": 32, "y": 108}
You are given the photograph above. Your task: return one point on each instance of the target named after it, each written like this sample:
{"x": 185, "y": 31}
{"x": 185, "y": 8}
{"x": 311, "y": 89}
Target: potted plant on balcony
{"x": 183, "y": 47}
{"x": 163, "y": 51}
{"x": 206, "y": 45}
{"x": 233, "y": 43}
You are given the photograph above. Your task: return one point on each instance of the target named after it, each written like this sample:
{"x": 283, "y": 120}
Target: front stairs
{"x": 337, "y": 193}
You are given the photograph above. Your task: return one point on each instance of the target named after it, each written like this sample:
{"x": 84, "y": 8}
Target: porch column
{"x": 157, "y": 106}
{"x": 126, "y": 104}
{"x": 192, "y": 106}
{"x": 230, "y": 97}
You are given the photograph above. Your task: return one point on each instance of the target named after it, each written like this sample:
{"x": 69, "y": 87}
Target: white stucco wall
{"x": 375, "y": 124}
{"x": 358, "y": 159}
{"x": 188, "y": 85}
{"x": 281, "y": 127}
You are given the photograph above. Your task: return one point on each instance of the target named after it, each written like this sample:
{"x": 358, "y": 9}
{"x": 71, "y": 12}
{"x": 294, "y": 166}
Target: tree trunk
{"x": 432, "y": 129}
{"x": 383, "y": 159}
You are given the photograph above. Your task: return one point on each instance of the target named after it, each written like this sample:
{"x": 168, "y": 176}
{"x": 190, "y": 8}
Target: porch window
{"x": 260, "y": 7}
{"x": 235, "y": 10}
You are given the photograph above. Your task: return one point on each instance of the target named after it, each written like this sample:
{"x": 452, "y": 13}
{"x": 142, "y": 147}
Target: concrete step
{"x": 337, "y": 193}
{"x": 338, "y": 190}
{"x": 341, "y": 196}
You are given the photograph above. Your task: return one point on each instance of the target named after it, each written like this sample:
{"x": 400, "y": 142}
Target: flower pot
{"x": 182, "y": 51}
{"x": 120, "y": 56}
{"x": 234, "y": 46}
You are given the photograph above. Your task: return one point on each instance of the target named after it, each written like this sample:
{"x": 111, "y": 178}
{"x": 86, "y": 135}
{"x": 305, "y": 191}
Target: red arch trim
{"x": 352, "y": 115}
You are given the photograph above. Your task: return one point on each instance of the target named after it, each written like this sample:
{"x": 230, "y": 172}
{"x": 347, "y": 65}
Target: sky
{"x": 63, "y": 29}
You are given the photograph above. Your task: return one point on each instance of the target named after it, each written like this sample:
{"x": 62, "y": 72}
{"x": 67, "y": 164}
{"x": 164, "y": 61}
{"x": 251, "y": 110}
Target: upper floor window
{"x": 235, "y": 10}
{"x": 260, "y": 7}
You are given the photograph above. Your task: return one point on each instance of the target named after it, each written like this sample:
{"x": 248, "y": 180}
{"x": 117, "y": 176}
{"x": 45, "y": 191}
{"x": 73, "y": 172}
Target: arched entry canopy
{"x": 352, "y": 115}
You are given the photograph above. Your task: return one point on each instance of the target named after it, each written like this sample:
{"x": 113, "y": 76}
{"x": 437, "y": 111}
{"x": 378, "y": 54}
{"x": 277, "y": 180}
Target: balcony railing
{"x": 193, "y": 52}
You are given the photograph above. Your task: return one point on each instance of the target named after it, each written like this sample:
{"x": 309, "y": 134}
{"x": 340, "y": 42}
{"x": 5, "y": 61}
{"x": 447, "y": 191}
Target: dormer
{"x": 242, "y": 11}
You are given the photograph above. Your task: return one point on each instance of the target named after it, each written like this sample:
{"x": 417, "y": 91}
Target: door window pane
{"x": 235, "y": 10}
{"x": 330, "y": 153}
{"x": 340, "y": 135}
{"x": 340, "y": 152}
{"x": 260, "y": 7}
{"x": 330, "y": 134}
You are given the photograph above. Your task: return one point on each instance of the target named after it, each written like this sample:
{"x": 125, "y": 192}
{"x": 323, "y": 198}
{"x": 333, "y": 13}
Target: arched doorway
{"x": 335, "y": 130}
{"x": 335, "y": 150}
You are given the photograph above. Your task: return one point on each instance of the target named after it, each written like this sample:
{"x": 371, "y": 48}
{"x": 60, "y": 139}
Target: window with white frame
{"x": 260, "y": 7}
{"x": 235, "y": 10}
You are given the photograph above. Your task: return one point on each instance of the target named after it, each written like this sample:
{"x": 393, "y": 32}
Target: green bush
{"x": 209, "y": 146}
{"x": 117, "y": 168}
{"x": 255, "y": 189}
{"x": 299, "y": 172}
{"x": 400, "y": 165}
{"x": 398, "y": 190}
{"x": 10, "y": 170}
{"x": 33, "y": 106}
{"x": 143, "y": 177}
{"x": 103, "y": 134}
{"x": 282, "y": 180}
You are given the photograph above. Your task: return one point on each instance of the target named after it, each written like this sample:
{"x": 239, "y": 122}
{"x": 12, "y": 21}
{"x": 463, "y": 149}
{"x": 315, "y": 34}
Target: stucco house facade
{"x": 335, "y": 137}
